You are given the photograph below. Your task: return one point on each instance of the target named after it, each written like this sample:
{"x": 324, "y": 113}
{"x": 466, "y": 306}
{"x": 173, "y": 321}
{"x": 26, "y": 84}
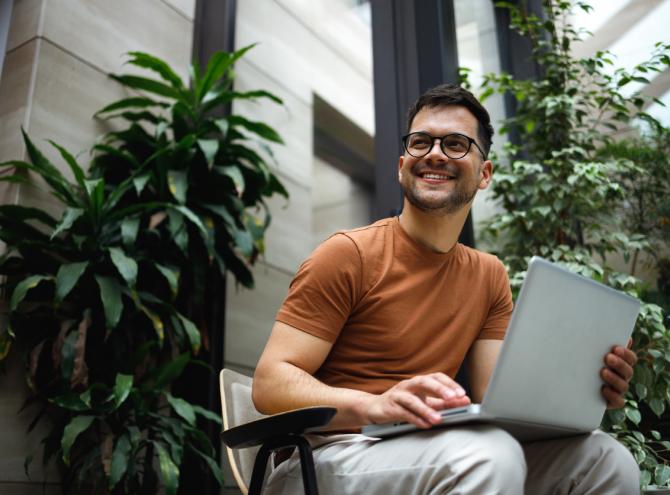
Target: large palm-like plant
{"x": 107, "y": 301}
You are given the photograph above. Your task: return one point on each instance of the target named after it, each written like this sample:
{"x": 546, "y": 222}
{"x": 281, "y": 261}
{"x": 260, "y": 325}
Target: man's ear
{"x": 400, "y": 164}
{"x": 486, "y": 172}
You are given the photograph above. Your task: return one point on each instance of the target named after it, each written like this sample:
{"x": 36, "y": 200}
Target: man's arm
{"x": 482, "y": 358}
{"x": 284, "y": 380}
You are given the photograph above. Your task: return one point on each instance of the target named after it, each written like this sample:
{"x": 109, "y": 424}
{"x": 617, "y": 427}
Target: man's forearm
{"x": 284, "y": 387}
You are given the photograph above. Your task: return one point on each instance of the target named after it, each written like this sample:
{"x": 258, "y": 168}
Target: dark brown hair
{"x": 450, "y": 94}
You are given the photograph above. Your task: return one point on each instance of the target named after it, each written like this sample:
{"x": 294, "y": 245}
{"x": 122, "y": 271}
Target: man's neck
{"x": 437, "y": 232}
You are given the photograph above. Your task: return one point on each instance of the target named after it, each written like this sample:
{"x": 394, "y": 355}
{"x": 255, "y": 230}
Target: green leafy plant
{"x": 560, "y": 196}
{"x": 107, "y": 301}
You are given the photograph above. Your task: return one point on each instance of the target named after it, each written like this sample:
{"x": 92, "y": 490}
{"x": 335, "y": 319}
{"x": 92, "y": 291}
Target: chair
{"x": 250, "y": 435}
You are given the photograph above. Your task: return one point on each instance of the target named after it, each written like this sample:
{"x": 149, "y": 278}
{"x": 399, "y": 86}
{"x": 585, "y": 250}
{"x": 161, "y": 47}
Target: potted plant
{"x": 107, "y": 301}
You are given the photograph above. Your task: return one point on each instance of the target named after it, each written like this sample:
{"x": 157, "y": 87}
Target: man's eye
{"x": 420, "y": 143}
{"x": 456, "y": 144}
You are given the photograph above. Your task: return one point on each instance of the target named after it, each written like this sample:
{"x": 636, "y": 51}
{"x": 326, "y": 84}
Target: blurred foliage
{"x": 568, "y": 191}
{"x": 108, "y": 302}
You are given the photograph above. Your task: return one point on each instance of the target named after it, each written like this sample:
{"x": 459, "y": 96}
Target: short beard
{"x": 452, "y": 204}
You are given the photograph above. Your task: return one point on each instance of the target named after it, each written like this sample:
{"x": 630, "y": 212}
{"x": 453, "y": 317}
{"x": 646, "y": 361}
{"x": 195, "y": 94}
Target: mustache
{"x": 448, "y": 168}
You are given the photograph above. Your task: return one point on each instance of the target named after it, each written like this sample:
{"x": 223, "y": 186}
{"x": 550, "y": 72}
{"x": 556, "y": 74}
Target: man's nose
{"x": 435, "y": 151}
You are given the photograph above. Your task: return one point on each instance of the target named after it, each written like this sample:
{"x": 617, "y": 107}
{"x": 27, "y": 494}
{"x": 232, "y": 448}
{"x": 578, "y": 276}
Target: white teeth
{"x": 436, "y": 176}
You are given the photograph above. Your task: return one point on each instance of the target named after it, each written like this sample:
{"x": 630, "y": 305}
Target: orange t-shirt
{"x": 394, "y": 309}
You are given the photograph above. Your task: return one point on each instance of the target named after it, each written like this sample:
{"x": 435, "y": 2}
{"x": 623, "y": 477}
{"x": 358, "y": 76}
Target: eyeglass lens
{"x": 454, "y": 146}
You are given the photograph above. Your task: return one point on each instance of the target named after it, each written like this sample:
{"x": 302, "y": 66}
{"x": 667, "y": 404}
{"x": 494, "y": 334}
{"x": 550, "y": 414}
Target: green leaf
{"x": 126, "y": 266}
{"x": 146, "y": 84}
{"x": 129, "y": 228}
{"x": 640, "y": 390}
{"x": 192, "y": 217}
{"x": 661, "y": 474}
{"x": 168, "y": 372}
{"x": 171, "y": 276}
{"x": 134, "y": 102}
{"x": 110, "y": 295}
{"x": 156, "y": 321}
{"x": 157, "y": 65}
{"x": 72, "y": 402}
{"x": 182, "y": 408}
{"x": 213, "y": 466}
{"x": 192, "y": 332}
{"x": 261, "y": 129}
{"x": 23, "y": 287}
{"x": 658, "y": 406}
{"x": 70, "y": 215}
{"x": 74, "y": 428}
{"x": 218, "y": 65}
{"x": 169, "y": 471}
{"x": 235, "y": 175}
{"x": 633, "y": 415}
{"x": 244, "y": 242}
{"x": 122, "y": 388}
{"x": 178, "y": 184}
{"x": 72, "y": 163}
{"x": 67, "y": 278}
{"x": 209, "y": 148}
{"x": 22, "y": 213}
{"x": 178, "y": 230}
{"x": 208, "y": 414}
{"x": 53, "y": 176}
{"x": 140, "y": 181}
{"x": 120, "y": 460}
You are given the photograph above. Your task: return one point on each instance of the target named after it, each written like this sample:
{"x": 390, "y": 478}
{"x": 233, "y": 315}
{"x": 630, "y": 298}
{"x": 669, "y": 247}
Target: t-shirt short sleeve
{"x": 500, "y": 309}
{"x": 325, "y": 289}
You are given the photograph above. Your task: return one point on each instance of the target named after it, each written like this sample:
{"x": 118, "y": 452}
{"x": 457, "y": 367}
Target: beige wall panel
{"x": 289, "y": 238}
{"x": 67, "y": 94}
{"x": 100, "y": 31}
{"x": 16, "y": 442}
{"x": 251, "y": 313}
{"x": 29, "y": 489}
{"x": 185, "y": 7}
{"x": 15, "y": 88}
{"x": 296, "y": 58}
{"x": 293, "y": 121}
{"x": 25, "y": 24}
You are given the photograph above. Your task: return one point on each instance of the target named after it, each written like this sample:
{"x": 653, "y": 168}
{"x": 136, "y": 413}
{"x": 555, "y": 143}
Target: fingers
{"x": 439, "y": 404}
{"x": 617, "y": 374}
{"x": 621, "y": 362}
{"x": 418, "y": 399}
{"x": 435, "y": 385}
{"x": 614, "y": 399}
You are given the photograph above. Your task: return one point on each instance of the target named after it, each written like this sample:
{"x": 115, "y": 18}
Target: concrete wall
{"x": 54, "y": 78}
{"x": 304, "y": 48}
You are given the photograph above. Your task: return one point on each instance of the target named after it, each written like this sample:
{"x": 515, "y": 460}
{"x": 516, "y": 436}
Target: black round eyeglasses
{"x": 454, "y": 145}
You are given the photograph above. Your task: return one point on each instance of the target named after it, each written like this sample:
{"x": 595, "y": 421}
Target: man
{"x": 379, "y": 319}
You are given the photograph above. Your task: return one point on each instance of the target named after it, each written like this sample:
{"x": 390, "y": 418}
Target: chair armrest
{"x": 294, "y": 422}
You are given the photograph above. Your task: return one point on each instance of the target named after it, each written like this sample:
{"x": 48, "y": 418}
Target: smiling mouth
{"x": 434, "y": 176}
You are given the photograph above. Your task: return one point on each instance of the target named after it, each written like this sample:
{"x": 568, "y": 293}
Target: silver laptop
{"x": 547, "y": 382}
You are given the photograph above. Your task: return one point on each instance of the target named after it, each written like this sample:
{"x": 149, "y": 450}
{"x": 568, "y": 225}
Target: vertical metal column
{"x": 213, "y": 30}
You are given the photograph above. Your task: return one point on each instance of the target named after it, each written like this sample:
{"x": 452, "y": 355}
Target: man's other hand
{"x": 616, "y": 374}
{"x": 417, "y": 400}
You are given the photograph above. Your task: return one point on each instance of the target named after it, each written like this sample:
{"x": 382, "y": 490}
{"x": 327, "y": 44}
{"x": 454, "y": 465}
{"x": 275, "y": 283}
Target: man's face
{"x": 436, "y": 183}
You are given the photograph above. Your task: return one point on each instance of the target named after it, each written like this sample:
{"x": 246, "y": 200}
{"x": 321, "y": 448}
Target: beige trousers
{"x": 477, "y": 460}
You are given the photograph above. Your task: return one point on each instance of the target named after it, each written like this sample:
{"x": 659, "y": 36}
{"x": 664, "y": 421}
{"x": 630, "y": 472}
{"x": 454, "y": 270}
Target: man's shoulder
{"x": 366, "y": 237}
{"x": 480, "y": 260}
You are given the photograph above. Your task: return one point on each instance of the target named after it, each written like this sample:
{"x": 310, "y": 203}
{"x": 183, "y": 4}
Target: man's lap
{"x": 439, "y": 461}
